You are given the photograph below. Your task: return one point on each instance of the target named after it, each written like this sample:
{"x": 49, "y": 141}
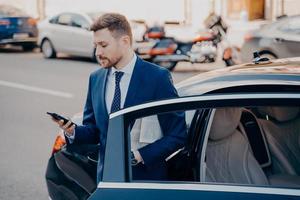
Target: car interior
{"x": 259, "y": 146}
{"x": 248, "y": 146}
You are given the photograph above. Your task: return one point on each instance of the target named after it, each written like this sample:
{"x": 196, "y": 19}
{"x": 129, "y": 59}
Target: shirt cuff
{"x": 138, "y": 156}
{"x": 70, "y": 137}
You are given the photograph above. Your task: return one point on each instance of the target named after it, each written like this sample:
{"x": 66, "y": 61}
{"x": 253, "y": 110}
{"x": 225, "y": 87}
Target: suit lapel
{"x": 102, "y": 85}
{"x": 135, "y": 84}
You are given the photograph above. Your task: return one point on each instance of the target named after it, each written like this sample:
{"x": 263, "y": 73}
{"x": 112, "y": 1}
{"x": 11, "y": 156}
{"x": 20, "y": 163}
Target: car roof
{"x": 275, "y": 74}
{"x": 288, "y": 17}
{"x": 269, "y": 26}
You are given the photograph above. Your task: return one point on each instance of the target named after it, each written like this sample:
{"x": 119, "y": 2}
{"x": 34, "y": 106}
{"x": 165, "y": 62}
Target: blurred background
{"x": 46, "y": 56}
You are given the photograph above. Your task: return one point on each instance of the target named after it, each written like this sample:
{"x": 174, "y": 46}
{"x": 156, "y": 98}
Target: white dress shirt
{"x": 124, "y": 83}
{"x": 110, "y": 87}
{"x": 110, "y": 91}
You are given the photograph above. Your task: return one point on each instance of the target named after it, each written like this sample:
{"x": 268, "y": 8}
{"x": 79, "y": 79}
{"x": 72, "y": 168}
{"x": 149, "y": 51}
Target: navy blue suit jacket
{"x": 148, "y": 82}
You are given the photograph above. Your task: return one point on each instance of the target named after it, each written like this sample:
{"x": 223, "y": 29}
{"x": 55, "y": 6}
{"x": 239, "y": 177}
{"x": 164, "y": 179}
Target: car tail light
{"x": 31, "y": 21}
{"x": 59, "y": 143}
{"x": 248, "y": 37}
{"x": 163, "y": 51}
{"x": 171, "y": 49}
{"x": 4, "y": 22}
{"x": 203, "y": 37}
{"x": 155, "y": 35}
{"x": 156, "y": 51}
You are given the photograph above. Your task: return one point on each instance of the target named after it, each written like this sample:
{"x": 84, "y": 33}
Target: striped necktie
{"x": 116, "y": 103}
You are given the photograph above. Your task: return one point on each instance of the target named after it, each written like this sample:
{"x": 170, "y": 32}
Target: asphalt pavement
{"x": 29, "y": 87}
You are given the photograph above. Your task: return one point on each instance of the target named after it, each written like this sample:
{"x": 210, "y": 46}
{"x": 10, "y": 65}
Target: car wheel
{"x": 47, "y": 49}
{"x": 28, "y": 47}
{"x": 170, "y": 65}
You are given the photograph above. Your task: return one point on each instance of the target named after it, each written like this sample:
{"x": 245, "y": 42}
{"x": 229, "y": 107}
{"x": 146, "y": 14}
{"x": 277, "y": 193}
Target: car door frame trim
{"x": 200, "y": 187}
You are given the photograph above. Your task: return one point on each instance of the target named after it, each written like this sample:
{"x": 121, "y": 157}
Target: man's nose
{"x": 99, "y": 51}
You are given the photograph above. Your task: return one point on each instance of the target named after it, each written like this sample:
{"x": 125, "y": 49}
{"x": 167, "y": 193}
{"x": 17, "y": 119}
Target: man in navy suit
{"x": 126, "y": 80}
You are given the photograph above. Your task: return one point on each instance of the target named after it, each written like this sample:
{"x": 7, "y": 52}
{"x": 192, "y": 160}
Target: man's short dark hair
{"x": 116, "y": 23}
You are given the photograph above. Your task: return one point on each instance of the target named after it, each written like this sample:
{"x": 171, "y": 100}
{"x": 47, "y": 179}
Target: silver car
{"x": 280, "y": 39}
{"x": 68, "y": 33}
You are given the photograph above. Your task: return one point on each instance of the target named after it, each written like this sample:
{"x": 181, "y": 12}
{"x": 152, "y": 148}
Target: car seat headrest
{"x": 225, "y": 122}
{"x": 280, "y": 114}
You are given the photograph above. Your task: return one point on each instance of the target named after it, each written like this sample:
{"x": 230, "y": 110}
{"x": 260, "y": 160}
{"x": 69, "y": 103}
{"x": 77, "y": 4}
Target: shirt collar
{"x": 128, "y": 69}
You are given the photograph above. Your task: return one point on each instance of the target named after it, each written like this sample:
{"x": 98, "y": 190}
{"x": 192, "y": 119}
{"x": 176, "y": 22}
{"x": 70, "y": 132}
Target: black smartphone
{"x": 59, "y": 117}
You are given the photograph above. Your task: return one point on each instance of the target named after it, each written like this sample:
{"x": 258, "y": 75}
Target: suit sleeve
{"x": 173, "y": 126}
{"x": 87, "y": 133}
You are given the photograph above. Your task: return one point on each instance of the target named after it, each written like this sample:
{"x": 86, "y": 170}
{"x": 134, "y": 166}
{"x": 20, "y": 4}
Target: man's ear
{"x": 126, "y": 40}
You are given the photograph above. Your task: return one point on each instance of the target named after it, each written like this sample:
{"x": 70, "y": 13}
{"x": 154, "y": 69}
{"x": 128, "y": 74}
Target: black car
{"x": 17, "y": 28}
{"x": 243, "y": 126}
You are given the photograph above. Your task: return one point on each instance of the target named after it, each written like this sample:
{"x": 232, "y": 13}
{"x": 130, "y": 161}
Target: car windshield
{"x": 9, "y": 11}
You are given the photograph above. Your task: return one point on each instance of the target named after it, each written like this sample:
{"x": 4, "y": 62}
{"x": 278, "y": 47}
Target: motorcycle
{"x": 231, "y": 54}
{"x": 167, "y": 51}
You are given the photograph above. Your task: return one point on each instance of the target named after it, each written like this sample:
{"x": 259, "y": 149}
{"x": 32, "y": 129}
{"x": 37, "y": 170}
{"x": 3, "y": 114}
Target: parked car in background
{"x": 17, "y": 28}
{"x": 68, "y": 33}
{"x": 280, "y": 39}
{"x": 243, "y": 141}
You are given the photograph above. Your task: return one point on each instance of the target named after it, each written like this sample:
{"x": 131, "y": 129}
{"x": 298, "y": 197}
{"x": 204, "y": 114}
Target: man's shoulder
{"x": 98, "y": 73}
{"x": 155, "y": 75}
{"x": 148, "y": 67}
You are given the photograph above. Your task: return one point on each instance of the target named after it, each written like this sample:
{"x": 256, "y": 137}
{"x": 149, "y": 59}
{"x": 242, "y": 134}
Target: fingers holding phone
{"x": 68, "y": 127}
{"x": 64, "y": 123}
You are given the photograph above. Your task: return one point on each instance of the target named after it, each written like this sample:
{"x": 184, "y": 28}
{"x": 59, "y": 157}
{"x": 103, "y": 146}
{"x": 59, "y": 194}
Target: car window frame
{"x": 122, "y": 119}
{"x": 114, "y": 180}
{"x": 176, "y": 191}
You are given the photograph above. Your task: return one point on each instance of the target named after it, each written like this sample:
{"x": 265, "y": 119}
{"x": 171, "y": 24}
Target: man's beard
{"x": 110, "y": 62}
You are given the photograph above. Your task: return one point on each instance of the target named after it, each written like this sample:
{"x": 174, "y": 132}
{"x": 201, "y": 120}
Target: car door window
{"x": 79, "y": 21}
{"x": 64, "y": 19}
{"x": 225, "y": 155}
{"x": 177, "y": 127}
{"x": 241, "y": 145}
{"x": 54, "y": 20}
{"x": 249, "y": 146}
{"x": 230, "y": 145}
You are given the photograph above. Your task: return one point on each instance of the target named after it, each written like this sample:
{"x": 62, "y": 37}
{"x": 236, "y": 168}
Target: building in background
{"x": 182, "y": 11}
{"x": 257, "y": 9}
{"x": 24, "y": 5}
{"x": 185, "y": 17}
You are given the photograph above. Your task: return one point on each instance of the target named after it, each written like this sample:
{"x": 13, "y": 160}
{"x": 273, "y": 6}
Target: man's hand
{"x": 69, "y": 130}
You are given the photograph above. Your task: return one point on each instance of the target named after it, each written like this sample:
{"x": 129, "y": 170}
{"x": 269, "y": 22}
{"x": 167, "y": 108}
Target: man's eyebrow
{"x": 100, "y": 42}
